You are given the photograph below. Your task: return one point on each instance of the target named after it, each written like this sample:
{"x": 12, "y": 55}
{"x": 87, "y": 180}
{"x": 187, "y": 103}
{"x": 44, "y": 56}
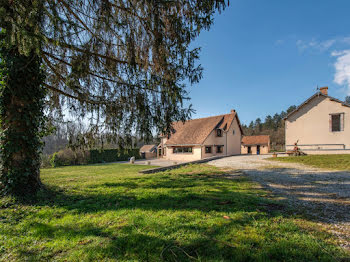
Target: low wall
{"x": 160, "y": 169}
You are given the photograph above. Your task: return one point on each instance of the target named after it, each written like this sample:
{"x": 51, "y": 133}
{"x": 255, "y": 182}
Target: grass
{"x": 337, "y": 162}
{"x": 195, "y": 213}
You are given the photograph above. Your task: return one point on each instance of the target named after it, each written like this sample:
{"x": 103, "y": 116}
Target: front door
{"x": 249, "y": 150}
{"x": 159, "y": 152}
{"x": 258, "y": 149}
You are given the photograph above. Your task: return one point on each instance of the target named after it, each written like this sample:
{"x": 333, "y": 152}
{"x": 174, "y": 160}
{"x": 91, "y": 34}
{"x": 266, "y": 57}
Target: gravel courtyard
{"x": 321, "y": 194}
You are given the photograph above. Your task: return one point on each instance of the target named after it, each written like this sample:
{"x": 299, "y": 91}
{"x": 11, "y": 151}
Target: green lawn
{"x": 339, "y": 162}
{"x": 112, "y": 213}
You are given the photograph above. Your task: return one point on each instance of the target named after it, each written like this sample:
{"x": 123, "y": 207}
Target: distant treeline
{"x": 272, "y": 126}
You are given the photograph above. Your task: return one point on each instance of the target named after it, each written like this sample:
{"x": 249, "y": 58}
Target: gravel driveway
{"x": 323, "y": 195}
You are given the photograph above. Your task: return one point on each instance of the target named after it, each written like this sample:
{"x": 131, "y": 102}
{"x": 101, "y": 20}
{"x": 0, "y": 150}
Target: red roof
{"x": 256, "y": 140}
{"x": 148, "y": 148}
{"x": 194, "y": 132}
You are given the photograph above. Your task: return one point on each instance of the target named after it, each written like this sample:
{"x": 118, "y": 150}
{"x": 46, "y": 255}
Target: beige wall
{"x": 195, "y": 155}
{"x": 230, "y": 141}
{"x": 234, "y": 140}
{"x": 149, "y": 155}
{"x": 310, "y": 125}
{"x": 264, "y": 149}
{"x": 212, "y": 140}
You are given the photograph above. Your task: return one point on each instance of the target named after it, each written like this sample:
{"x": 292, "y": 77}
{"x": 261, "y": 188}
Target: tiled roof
{"x": 227, "y": 121}
{"x": 147, "y": 148}
{"x": 194, "y": 132}
{"x": 255, "y": 140}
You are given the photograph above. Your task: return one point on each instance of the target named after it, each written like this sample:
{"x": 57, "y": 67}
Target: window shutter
{"x": 342, "y": 122}
{"x": 330, "y": 123}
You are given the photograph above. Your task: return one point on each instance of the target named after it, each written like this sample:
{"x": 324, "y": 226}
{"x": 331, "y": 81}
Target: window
{"x": 218, "y": 132}
{"x": 181, "y": 150}
{"x": 208, "y": 149}
{"x": 233, "y": 131}
{"x": 219, "y": 149}
{"x": 187, "y": 149}
{"x": 336, "y": 124}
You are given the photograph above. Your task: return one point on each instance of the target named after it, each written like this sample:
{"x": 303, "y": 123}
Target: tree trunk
{"x": 21, "y": 112}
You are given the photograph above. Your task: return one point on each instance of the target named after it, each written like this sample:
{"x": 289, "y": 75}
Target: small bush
{"x": 45, "y": 160}
{"x": 68, "y": 157}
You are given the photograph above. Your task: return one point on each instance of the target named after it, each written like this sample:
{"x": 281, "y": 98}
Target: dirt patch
{"x": 322, "y": 195}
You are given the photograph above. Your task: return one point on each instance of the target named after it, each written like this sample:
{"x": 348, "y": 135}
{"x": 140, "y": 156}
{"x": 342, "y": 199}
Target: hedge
{"x": 112, "y": 155}
{"x": 67, "y": 157}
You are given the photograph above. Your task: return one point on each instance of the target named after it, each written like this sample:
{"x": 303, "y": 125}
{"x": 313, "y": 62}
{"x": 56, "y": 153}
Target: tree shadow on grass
{"x": 254, "y": 230}
{"x": 94, "y": 242}
{"x": 213, "y": 194}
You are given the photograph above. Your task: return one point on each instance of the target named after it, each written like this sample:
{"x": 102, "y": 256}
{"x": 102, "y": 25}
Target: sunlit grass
{"x": 339, "y": 162}
{"x": 195, "y": 213}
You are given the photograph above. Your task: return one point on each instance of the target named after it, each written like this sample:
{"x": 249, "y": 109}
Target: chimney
{"x": 233, "y": 111}
{"x": 324, "y": 90}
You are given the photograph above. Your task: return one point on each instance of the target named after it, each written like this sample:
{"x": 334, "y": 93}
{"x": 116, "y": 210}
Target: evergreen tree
{"x": 121, "y": 64}
{"x": 347, "y": 100}
{"x": 291, "y": 109}
{"x": 258, "y": 125}
{"x": 269, "y": 122}
{"x": 276, "y": 121}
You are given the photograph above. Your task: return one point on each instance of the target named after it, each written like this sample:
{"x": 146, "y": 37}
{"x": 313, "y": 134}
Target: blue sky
{"x": 260, "y": 57}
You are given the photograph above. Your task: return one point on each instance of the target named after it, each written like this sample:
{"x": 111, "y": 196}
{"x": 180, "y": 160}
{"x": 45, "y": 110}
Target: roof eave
{"x": 304, "y": 103}
{"x": 257, "y": 144}
{"x": 312, "y": 97}
{"x": 183, "y": 144}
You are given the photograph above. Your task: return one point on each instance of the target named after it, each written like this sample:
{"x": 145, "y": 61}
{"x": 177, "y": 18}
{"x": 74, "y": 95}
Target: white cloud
{"x": 314, "y": 44}
{"x": 342, "y": 57}
{"x": 279, "y": 42}
{"x": 345, "y": 40}
{"x": 342, "y": 68}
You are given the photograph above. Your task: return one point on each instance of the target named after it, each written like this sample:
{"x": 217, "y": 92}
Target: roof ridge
{"x": 195, "y": 131}
{"x": 313, "y": 96}
{"x": 261, "y": 135}
{"x": 201, "y": 118}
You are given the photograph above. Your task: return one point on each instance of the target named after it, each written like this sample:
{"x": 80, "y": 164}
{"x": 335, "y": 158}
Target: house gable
{"x": 310, "y": 102}
{"x": 311, "y": 125}
{"x": 231, "y": 139}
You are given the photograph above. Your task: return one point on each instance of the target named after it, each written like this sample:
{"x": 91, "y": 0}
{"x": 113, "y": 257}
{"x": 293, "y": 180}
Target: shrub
{"x": 113, "y": 155}
{"x": 68, "y": 157}
{"x": 45, "y": 160}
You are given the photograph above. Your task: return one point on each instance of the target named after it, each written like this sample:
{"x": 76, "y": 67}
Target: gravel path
{"x": 321, "y": 194}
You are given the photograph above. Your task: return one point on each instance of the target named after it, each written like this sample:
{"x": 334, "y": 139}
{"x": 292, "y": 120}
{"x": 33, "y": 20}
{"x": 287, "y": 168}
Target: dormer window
{"x": 218, "y": 132}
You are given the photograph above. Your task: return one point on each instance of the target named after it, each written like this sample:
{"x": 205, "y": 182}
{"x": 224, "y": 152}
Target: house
{"x": 148, "y": 151}
{"x": 202, "y": 138}
{"x": 320, "y": 125}
{"x": 256, "y": 145}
